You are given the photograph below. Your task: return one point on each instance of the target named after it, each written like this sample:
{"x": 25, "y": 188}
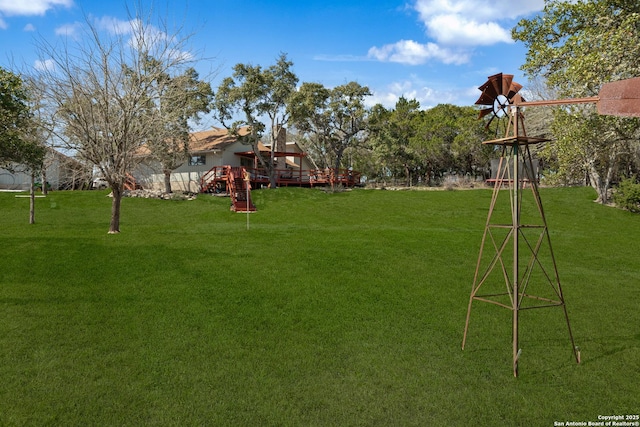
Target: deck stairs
{"x": 239, "y": 189}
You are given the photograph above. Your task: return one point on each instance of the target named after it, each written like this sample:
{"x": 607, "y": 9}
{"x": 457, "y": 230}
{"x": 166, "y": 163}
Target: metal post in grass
{"x": 247, "y": 184}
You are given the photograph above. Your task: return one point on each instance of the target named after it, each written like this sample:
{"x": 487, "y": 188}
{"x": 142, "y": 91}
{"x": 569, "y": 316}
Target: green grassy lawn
{"x": 332, "y": 309}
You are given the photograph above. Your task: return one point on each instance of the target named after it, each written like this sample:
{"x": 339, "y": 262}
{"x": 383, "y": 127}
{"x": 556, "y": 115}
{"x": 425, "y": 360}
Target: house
{"x": 212, "y": 151}
{"x": 61, "y": 173}
{"x": 215, "y": 147}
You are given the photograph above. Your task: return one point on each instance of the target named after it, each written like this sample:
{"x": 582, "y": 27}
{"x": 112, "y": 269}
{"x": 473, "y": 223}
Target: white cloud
{"x": 115, "y": 26}
{"x": 30, "y": 7}
{"x": 29, "y": 27}
{"x": 46, "y": 65}
{"x": 414, "y": 53}
{"x": 180, "y": 56}
{"x": 479, "y": 10}
{"x": 454, "y": 27}
{"x": 69, "y": 30}
{"x": 455, "y": 30}
{"x": 118, "y": 27}
{"x": 3, "y": 24}
{"x": 472, "y": 22}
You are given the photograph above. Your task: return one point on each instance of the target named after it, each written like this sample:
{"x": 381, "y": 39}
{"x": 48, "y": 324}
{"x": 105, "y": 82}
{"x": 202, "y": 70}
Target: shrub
{"x": 627, "y": 195}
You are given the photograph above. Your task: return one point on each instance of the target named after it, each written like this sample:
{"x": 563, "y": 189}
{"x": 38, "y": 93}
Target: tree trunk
{"x": 428, "y": 174}
{"x": 267, "y": 164}
{"x": 269, "y": 167}
{"x": 116, "y": 192}
{"x": 597, "y": 184}
{"x": 167, "y": 181}
{"x": 339, "y": 155}
{"x": 336, "y": 170}
{"x": 273, "y": 182}
{"x": 45, "y": 190}
{"x": 32, "y": 200}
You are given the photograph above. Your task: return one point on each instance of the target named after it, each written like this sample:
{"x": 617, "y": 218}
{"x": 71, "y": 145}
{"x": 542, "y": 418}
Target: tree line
{"x": 112, "y": 97}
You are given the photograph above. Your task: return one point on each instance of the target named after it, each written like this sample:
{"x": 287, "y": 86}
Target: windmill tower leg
{"x": 515, "y": 231}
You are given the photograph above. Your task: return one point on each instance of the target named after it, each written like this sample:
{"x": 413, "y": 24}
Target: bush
{"x": 627, "y": 195}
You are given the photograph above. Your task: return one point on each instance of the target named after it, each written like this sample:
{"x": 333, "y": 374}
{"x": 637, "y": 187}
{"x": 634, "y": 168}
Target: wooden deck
{"x": 214, "y": 181}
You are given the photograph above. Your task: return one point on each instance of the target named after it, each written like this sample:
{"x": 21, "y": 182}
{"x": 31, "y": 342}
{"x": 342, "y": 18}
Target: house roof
{"x": 218, "y": 139}
{"x": 213, "y": 139}
{"x": 61, "y": 157}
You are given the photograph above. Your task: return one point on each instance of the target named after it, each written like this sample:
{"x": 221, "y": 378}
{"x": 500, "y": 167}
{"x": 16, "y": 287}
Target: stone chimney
{"x": 281, "y": 139}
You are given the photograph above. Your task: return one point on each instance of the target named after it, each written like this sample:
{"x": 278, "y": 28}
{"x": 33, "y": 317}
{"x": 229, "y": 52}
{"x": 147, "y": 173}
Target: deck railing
{"x": 284, "y": 177}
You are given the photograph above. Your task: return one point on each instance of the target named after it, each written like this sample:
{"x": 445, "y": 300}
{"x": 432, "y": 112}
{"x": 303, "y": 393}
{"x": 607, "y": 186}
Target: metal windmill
{"x": 516, "y": 246}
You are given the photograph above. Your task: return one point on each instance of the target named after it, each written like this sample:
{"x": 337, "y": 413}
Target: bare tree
{"x": 98, "y": 83}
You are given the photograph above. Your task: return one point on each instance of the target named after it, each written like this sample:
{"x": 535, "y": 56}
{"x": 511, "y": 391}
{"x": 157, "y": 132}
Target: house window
{"x": 246, "y": 162}
{"x": 198, "y": 160}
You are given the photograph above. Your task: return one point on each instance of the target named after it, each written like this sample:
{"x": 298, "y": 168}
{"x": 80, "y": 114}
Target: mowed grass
{"x": 342, "y": 309}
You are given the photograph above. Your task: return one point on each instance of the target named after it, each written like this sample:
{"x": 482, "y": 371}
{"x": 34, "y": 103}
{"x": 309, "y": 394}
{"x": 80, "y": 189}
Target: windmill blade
{"x": 506, "y": 83}
{"x": 488, "y": 83}
{"x": 490, "y": 89}
{"x": 486, "y": 126}
{"x": 513, "y": 90}
{"x": 487, "y": 97}
{"x": 517, "y": 99}
{"x": 496, "y": 83}
{"x": 484, "y": 112}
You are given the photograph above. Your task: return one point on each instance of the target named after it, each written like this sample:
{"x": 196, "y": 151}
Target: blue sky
{"x": 436, "y": 51}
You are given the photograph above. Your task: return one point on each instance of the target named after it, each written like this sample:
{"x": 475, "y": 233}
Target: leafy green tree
{"x": 412, "y": 143}
{"x": 21, "y": 142}
{"x": 347, "y": 117}
{"x": 14, "y": 117}
{"x": 335, "y": 119}
{"x": 448, "y": 138}
{"x": 251, "y": 93}
{"x": 282, "y": 81}
{"x": 390, "y": 134}
{"x": 470, "y": 156}
{"x": 577, "y": 46}
{"x": 589, "y": 144}
{"x": 435, "y": 131}
{"x": 308, "y": 109}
